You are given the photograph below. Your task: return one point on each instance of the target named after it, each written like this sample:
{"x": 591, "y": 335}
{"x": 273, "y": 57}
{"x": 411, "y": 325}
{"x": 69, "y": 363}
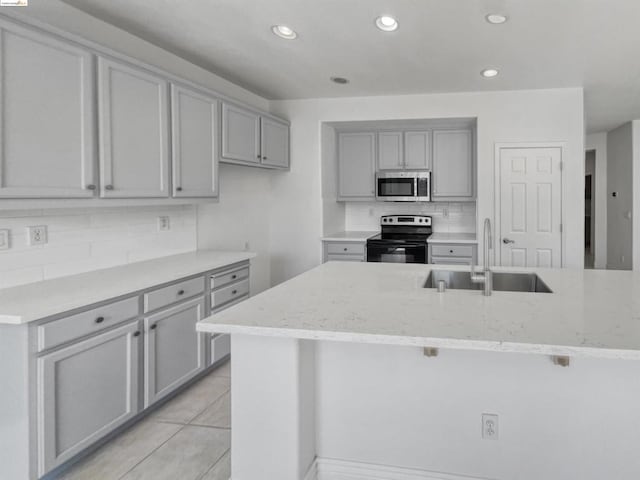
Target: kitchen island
{"x": 331, "y": 380}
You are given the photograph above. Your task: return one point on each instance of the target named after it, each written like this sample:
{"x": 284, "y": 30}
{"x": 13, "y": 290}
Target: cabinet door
{"x": 356, "y": 166}
{"x": 417, "y": 150}
{"x": 47, "y": 118}
{"x": 390, "y": 151}
{"x": 174, "y": 351}
{"x": 134, "y": 131}
{"x": 194, "y": 121}
{"x": 240, "y": 134}
{"x": 85, "y": 391}
{"x": 452, "y": 164}
{"x": 275, "y": 143}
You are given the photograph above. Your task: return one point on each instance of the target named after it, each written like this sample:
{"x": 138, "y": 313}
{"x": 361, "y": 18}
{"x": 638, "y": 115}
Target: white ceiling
{"x": 441, "y": 46}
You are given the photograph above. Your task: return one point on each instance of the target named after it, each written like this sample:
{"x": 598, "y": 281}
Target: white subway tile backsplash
{"x": 454, "y": 217}
{"x": 85, "y": 239}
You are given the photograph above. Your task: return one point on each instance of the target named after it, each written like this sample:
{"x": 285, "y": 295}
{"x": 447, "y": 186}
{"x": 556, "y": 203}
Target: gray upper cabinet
{"x": 174, "y": 351}
{"x": 390, "y": 151}
{"x": 240, "y": 134}
{"x": 134, "y": 131}
{"x": 48, "y": 118}
{"x": 274, "y": 145}
{"x": 356, "y": 166}
{"x": 417, "y": 150}
{"x": 453, "y": 169}
{"x": 194, "y": 122}
{"x": 85, "y": 391}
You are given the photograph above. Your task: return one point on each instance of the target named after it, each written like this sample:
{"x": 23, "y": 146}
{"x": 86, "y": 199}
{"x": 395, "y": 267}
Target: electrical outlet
{"x": 445, "y": 212}
{"x": 489, "y": 426}
{"x": 37, "y": 235}
{"x": 246, "y": 246}
{"x": 4, "y": 239}
{"x": 164, "y": 223}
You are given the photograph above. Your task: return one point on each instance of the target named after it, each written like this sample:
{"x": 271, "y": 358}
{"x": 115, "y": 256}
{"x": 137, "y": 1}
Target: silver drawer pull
{"x": 233, "y": 277}
{"x": 233, "y": 292}
{"x": 180, "y": 292}
{"x": 99, "y": 319}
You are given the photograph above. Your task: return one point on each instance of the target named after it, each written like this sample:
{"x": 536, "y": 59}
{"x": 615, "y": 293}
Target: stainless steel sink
{"x": 502, "y": 281}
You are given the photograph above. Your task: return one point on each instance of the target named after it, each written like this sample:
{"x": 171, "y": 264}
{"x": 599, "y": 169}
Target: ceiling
{"x": 441, "y": 46}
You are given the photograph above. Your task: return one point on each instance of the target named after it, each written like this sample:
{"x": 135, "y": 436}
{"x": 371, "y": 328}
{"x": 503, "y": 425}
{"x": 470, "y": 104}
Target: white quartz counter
{"x": 452, "y": 238}
{"x": 25, "y": 303}
{"x": 349, "y": 236}
{"x": 591, "y": 312}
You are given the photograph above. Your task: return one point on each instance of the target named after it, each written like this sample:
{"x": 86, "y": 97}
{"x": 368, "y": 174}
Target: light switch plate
{"x": 4, "y": 239}
{"x": 37, "y": 235}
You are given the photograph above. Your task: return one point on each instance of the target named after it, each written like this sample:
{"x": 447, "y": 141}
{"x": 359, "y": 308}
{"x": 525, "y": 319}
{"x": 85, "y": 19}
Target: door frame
{"x": 497, "y": 193}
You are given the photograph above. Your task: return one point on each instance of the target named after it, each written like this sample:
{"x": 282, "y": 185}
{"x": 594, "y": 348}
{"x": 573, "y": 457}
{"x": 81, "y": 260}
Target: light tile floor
{"x": 188, "y": 438}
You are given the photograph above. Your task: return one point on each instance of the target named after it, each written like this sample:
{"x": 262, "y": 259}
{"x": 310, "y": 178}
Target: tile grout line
{"x": 214, "y": 464}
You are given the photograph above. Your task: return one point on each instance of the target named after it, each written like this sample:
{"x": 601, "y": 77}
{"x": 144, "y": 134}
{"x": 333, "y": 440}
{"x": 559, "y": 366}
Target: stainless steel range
{"x": 403, "y": 239}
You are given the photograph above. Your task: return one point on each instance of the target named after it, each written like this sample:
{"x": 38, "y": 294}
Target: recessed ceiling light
{"x": 284, "y": 32}
{"x": 489, "y": 73}
{"x": 496, "y": 18}
{"x": 339, "y": 80}
{"x": 386, "y": 23}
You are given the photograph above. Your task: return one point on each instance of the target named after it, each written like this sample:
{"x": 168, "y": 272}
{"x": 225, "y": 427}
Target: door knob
{"x": 507, "y": 241}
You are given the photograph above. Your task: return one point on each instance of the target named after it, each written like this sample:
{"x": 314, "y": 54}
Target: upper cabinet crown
{"x": 252, "y": 139}
{"x": 48, "y": 116}
{"x": 134, "y": 131}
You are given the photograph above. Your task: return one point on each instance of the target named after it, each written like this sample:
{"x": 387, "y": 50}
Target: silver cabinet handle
{"x": 91, "y": 187}
{"x": 507, "y": 241}
{"x": 108, "y": 187}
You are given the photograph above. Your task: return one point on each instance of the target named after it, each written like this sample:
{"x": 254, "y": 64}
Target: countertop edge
{"x": 17, "y": 319}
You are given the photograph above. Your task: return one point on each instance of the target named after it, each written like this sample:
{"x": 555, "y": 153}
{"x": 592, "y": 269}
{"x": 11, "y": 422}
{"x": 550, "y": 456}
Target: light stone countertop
{"x": 594, "y": 313}
{"x": 34, "y": 301}
{"x": 350, "y": 236}
{"x": 453, "y": 238}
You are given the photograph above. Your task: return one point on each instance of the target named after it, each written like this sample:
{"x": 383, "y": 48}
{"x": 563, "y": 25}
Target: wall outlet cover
{"x": 489, "y": 426}
{"x": 37, "y": 235}
{"x": 164, "y": 223}
{"x": 5, "y": 239}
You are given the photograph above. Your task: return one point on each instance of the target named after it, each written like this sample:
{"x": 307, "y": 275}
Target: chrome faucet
{"x": 486, "y": 277}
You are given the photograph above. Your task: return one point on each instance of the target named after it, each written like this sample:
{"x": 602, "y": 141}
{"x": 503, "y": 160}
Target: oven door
{"x": 396, "y": 189}
{"x": 397, "y": 253}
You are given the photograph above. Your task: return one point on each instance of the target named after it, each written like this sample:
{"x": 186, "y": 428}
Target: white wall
{"x": 636, "y": 195}
{"x": 390, "y": 405}
{"x": 511, "y": 116}
{"x": 598, "y": 142}
{"x": 241, "y": 220}
{"x": 80, "y": 240}
{"x": 619, "y": 208}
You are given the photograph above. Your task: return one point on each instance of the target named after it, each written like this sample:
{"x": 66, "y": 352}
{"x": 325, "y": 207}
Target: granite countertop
{"x": 452, "y": 238}
{"x": 34, "y": 301}
{"x": 350, "y": 236}
{"x": 592, "y": 313}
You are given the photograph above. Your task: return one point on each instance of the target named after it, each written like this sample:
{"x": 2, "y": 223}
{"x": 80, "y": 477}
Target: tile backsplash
{"x": 80, "y": 240}
{"x": 452, "y": 217}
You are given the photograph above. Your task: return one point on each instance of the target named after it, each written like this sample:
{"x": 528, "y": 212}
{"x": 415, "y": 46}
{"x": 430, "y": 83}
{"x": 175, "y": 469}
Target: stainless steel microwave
{"x": 403, "y": 186}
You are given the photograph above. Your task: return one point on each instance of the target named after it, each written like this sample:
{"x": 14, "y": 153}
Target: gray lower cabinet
{"x": 453, "y": 254}
{"x": 356, "y": 166}
{"x": 334, "y": 251}
{"x": 85, "y": 391}
{"x": 174, "y": 351}
{"x": 453, "y": 165}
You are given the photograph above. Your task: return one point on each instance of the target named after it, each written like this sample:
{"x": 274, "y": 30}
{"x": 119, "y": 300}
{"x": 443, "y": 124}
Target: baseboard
{"x": 330, "y": 469}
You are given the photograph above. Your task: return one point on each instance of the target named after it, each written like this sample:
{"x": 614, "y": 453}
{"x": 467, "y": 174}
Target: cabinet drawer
{"x": 215, "y": 309}
{"x": 346, "y": 248}
{"x": 228, "y": 294}
{"x": 67, "y": 329}
{"x": 345, "y": 258}
{"x": 451, "y": 260}
{"x": 173, "y": 293}
{"x": 224, "y": 278}
{"x": 452, "y": 250}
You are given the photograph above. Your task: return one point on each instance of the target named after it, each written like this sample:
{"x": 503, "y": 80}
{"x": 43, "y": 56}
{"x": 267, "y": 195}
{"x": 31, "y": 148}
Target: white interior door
{"x": 530, "y": 207}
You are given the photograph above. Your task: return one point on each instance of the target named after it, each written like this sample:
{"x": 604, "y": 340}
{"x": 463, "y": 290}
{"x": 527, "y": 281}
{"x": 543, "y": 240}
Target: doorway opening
{"x": 589, "y": 209}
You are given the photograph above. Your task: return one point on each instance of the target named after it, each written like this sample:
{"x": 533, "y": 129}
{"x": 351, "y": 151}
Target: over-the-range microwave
{"x": 403, "y": 186}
